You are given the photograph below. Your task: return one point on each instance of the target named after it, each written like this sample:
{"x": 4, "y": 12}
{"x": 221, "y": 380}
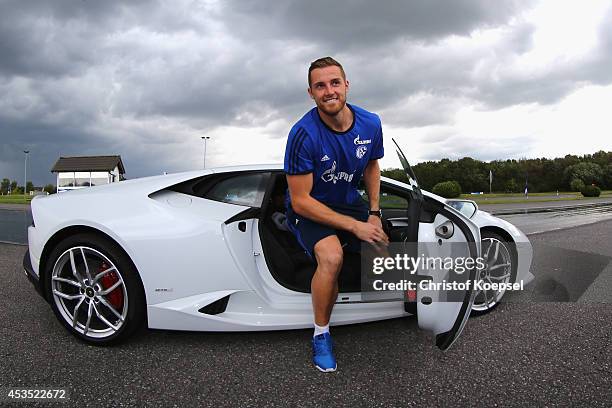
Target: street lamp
{"x": 205, "y": 138}
{"x": 25, "y": 175}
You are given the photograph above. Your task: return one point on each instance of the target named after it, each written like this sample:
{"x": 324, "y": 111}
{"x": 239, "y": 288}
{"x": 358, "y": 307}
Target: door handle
{"x": 242, "y": 226}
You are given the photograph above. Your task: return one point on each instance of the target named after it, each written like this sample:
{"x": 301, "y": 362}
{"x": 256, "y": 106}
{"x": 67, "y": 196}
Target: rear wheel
{"x": 95, "y": 290}
{"x": 500, "y": 260}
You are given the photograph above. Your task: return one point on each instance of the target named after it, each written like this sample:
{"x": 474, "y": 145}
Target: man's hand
{"x": 370, "y": 232}
{"x": 374, "y": 220}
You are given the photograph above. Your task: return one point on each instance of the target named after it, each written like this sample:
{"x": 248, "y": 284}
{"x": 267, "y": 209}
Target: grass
{"x": 549, "y": 193}
{"x": 507, "y": 198}
{"x": 497, "y": 195}
{"x": 528, "y": 200}
{"x": 391, "y": 201}
{"x": 15, "y": 199}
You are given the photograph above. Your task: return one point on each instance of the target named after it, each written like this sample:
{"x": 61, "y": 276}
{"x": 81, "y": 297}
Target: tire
{"x": 100, "y": 301}
{"x": 500, "y": 268}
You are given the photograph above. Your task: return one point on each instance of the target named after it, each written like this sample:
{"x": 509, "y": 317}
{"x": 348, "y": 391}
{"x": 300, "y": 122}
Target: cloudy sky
{"x": 146, "y": 79}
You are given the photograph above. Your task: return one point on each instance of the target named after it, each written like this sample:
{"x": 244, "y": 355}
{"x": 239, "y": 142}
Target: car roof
{"x": 247, "y": 167}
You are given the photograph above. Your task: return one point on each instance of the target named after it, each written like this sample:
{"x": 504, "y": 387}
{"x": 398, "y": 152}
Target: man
{"x": 328, "y": 151}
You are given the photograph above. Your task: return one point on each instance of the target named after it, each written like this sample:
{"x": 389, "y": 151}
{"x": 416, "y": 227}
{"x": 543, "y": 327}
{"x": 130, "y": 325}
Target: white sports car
{"x": 207, "y": 251}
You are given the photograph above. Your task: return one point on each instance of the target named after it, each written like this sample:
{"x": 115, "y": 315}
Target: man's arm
{"x": 305, "y": 205}
{"x": 371, "y": 179}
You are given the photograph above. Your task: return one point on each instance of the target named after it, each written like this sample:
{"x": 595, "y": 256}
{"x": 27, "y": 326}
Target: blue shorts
{"x": 308, "y": 232}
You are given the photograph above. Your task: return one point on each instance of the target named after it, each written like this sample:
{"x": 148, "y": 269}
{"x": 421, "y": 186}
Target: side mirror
{"x": 465, "y": 207}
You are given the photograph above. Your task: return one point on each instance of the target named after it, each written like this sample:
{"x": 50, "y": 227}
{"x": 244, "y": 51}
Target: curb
{"x": 15, "y": 207}
{"x": 535, "y": 210}
{"x": 13, "y": 243}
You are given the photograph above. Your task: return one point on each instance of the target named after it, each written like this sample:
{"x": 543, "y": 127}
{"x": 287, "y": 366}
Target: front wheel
{"x": 500, "y": 260}
{"x": 95, "y": 290}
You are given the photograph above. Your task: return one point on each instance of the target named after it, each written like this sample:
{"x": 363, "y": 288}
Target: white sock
{"x": 320, "y": 329}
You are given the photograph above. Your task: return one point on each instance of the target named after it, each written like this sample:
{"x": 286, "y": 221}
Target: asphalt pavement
{"x": 528, "y": 352}
{"x": 14, "y": 225}
{"x": 557, "y": 218}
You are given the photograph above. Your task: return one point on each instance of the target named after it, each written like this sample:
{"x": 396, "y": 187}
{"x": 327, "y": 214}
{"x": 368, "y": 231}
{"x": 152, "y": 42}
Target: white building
{"x": 85, "y": 171}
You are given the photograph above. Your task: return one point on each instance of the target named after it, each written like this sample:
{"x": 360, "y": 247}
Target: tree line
{"x": 12, "y": 187}
{"x": 569, "y": 173}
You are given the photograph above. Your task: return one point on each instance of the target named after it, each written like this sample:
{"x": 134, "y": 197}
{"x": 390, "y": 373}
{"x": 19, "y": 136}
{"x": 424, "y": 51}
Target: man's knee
{"x": 329, "y": 254}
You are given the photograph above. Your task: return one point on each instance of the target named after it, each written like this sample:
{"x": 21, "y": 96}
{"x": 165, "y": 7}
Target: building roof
{"x": 88, "y": 163}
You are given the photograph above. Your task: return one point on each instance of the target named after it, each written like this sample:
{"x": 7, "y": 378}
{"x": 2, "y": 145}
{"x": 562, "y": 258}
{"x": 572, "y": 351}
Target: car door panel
{"x": 442, "y": 312}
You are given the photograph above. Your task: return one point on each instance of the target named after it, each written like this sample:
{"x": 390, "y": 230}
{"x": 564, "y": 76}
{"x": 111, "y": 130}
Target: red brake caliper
{"x": 115, "y": 298}
{"x": 411, "y": 295}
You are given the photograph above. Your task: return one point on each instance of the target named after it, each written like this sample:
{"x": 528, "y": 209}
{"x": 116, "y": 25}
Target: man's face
{"x": 328, "y": 88}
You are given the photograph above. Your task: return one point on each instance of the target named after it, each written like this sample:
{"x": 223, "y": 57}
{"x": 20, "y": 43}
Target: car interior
{"x": 287, "y": 261}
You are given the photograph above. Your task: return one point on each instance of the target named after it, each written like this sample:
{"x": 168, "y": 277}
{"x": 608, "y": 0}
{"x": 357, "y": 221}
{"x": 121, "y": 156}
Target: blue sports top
{"x": 337, "y": 160}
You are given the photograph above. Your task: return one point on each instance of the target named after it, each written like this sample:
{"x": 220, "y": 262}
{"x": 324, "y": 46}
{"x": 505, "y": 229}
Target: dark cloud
{"x": 339, "y": 25}
{"x": 143, "y": 78}
{"x": 598, "y": 69}
{"x": 50, "y": 38}
{"x": 457, "y": 146}
{"x": 45, "y": 142}
{"x": 67, "y": 37}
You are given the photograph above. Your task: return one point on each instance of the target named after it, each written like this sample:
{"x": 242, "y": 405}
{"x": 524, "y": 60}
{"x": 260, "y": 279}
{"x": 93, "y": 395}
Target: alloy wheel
{"x": 498, "y": 269}
{"x": 89, "y": 292}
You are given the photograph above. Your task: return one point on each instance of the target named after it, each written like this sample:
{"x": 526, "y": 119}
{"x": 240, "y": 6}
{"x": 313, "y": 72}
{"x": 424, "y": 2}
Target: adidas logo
{"x": 325, "y": 158}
